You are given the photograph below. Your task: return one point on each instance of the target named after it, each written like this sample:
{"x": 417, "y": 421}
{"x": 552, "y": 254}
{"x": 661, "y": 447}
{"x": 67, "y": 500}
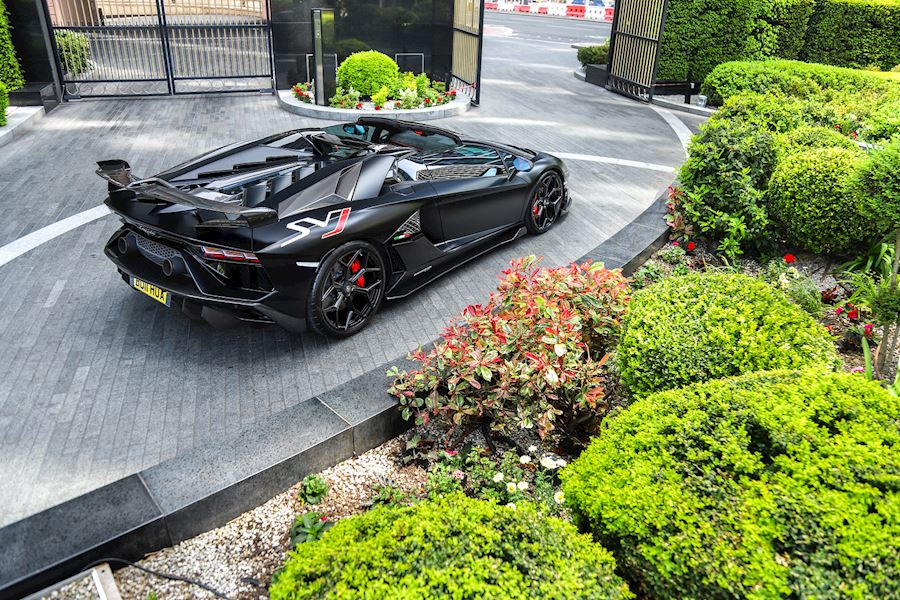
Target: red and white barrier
{"x": 575, "y": 11}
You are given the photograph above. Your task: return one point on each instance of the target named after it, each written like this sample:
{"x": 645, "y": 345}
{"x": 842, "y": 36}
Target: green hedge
{"x": 700, "y": 34}
{"x": 368, "y": 72}
{"x": 815, "y": 199}
{"x": 10, "y": 72}
{"x": 709, "y": 325}
{"x": 793, "y": 78}
{"x": 811, "y": 137}
{"x": 771, "y": 485}
{"x": 855, "y": 33}
{"x": 594, "y": 55}
{"x": 4, "y": 103}
{"x": 455, "y": 547}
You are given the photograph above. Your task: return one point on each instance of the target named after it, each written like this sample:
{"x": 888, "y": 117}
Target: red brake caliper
{"x": 354, "y": 267}
{"x": 536, "y": 206}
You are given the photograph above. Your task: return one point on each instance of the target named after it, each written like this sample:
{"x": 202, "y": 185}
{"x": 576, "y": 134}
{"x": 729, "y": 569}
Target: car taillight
{"x": 232, "y": 255}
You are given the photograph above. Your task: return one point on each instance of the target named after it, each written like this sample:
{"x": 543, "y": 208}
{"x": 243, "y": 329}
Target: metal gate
{"x": 158, "y": 47}
{"x": 637, "y": 30}
{"x": 468, "y": 25}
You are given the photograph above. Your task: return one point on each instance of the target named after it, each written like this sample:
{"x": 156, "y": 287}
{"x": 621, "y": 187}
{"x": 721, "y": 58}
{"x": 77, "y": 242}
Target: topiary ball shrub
{"x": 455, "y": 547}
{"x": 780, "y": 484}
{"x": 368, "y": 72}
{"x": 813, "y": 196}
{"x": 709, "y": 325}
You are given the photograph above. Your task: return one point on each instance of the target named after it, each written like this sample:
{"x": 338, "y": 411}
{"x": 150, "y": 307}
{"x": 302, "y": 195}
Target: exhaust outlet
{"x": 172, "y": 267}
{"x": 125, "y": 245}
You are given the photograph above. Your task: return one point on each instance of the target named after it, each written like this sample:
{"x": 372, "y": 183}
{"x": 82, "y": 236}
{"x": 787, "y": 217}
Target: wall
{"x": 389, "y": 26}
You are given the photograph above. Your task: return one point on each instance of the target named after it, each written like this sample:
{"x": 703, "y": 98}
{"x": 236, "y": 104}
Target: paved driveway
{"x": 97, "y": 382}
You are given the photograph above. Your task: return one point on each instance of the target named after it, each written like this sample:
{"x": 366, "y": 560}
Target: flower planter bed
{"x": 456, "y": 107}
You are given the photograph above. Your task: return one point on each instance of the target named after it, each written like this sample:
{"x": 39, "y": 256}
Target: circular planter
{"x": 287, "y": 101}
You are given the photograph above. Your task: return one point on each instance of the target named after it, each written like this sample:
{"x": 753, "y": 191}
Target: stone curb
{"x": 17, "y": 123}
{"x": 457, "y": 107}
{"x": 681, "y": 106}
{"x": 211, "y": 485}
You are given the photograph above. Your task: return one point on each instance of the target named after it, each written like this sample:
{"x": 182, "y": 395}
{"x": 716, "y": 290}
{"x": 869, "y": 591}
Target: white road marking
{"x": 614, "y": 161}
{"x": 681, "y": 130}
{"x": 34, "y": 239}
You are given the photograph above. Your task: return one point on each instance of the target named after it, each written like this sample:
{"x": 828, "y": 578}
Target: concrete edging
{"x": 211, "y": 485}
{"x": 17, "y": 122}
{"x": 456, "y": 107}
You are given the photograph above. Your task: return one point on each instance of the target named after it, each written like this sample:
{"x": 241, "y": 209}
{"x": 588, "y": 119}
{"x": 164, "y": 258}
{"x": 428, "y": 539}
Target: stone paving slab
{"x": 97, "y": 383}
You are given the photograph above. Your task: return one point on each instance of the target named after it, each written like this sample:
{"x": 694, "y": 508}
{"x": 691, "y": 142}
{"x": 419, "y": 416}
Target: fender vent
{"x": 410, "y": 227}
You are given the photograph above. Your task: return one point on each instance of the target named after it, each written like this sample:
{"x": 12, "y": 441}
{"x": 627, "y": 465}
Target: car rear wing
{"x": 121, "y": 183}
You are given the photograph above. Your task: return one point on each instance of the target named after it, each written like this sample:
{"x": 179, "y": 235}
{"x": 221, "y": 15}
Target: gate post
{"x": 324, "y": 55}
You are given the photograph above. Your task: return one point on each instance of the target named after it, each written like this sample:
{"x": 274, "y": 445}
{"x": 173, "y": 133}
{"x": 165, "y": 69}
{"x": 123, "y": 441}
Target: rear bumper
{"x": 195, "y": 289}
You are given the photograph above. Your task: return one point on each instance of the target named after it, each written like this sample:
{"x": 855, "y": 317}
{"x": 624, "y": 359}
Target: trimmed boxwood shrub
{"x": 709, "y": 325}
{"x": 813, "y": 137}
{"x": 455, "y": 547}
{"x": 10, "y": 71}
{"x": 815, "y": 200}
{"x": 790, "y": 19}
{"x": 879, "y": 185}
{"x": 367, "y": 72}
{"x": 779, "y": 484}
{"x": 4, "y": 103}
{"x": 792, "y": 78}
{"x": 74, "y": 51}
{"x": 593, "y": 55}
{"x": 855, "y": 33}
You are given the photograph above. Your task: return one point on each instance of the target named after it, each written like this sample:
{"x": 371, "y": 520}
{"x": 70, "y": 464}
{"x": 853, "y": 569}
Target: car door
{"x": 475, "y": 196}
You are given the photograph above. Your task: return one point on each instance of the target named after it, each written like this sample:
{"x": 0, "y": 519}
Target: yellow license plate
{"x": 160, "y": 295}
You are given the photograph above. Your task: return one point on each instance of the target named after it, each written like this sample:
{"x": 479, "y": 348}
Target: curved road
{"x": 98, "y": 382}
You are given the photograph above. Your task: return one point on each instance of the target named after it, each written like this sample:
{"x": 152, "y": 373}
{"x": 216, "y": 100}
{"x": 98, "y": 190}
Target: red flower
{"x": 839, "y": 310}
{"x": 867, "y": 329}
{"x": 676, "y": 243}
{"x": 427, "y": 100}
{"x": 790, "y": 258}
{"x": 453, "y": 92}
{"x": 828, "y": 327}
{"x": 324, "y": 518}
{"x": 377, "y": 107}
{"x": 854, "y": 135}
{"x": 359, "y": 105}
{"x": 691, "y": 246}
{"x": 853, "y": 314}
{"x": 837, "y": 126}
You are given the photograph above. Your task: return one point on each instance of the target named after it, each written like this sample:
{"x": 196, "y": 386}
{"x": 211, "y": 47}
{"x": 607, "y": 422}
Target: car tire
{"x": 545, "y": 202}
{"x": 348, "y": 289}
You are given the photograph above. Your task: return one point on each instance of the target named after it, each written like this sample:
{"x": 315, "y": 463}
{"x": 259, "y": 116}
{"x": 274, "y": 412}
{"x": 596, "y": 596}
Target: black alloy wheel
{"x": 348, "y": 289}
{"x": 545, "y": 202}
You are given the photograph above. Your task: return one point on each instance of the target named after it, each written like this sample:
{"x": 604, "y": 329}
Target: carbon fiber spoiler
{"x": 120, "y": 181}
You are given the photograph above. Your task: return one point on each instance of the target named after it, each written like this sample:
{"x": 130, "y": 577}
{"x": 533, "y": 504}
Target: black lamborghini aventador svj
{"x": 317, "y": 227}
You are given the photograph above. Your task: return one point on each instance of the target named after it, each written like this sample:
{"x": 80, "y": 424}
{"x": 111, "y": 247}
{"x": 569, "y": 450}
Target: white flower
{"x": 524, "y": 459}
{"x": 522, "y": 485}
{"x": 559, "y": 497}
{"x": 561, "y": 463}
{"x": 498, "y": 477}
{"x": 548, "y": 462}
{"x": 511, "y": 487}
{"x": 512, "y": 505}
{"x": 532, "y": 448}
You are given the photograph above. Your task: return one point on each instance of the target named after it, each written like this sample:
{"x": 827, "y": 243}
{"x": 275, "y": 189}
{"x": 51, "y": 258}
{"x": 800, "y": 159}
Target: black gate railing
{"x": 157, "y": 47}
{"x": 468, "y": 26}
{"x": 637, "y": 30}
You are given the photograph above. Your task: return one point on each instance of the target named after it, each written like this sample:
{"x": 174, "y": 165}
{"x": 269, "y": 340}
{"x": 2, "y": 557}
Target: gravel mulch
{"x": 239, "y": 558}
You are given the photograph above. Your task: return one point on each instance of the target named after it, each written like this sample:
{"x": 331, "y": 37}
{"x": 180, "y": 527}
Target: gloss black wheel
{"x": 545, "y": 202}
{"x": 348, "y": 289}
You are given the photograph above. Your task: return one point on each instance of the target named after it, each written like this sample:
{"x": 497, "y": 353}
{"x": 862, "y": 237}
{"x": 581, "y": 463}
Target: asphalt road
{"x": 97, "y": 382}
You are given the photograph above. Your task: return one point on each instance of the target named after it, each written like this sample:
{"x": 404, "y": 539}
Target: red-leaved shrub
{"x": 533, "y": 355}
